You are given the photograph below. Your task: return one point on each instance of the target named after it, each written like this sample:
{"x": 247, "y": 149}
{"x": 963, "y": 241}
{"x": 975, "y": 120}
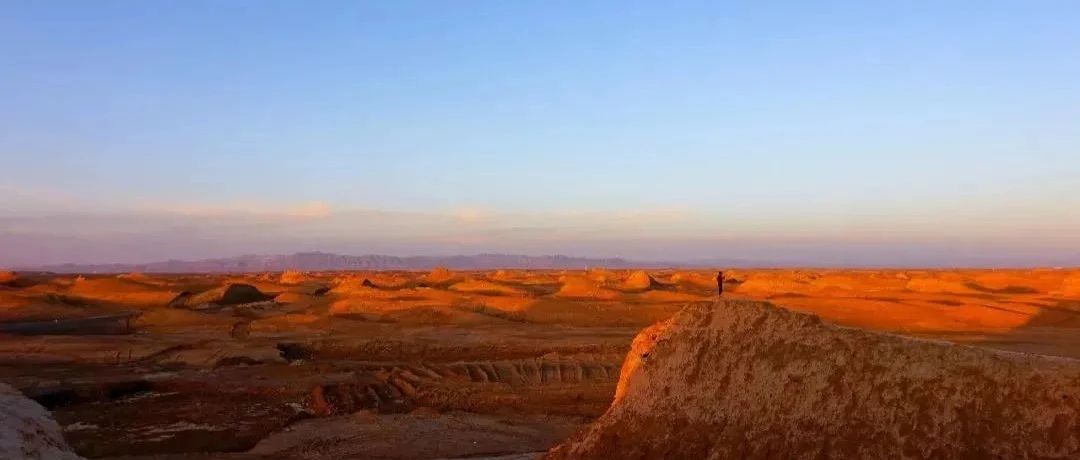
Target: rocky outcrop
{"x": 440, "y": 276}
{"x": 578, "y": 287}
{"x": 694, "y": 280}
{"x": 293, "y": 277}
{"x": 485, "y": 287}
{"x": 27, "y": 431}
{"x": 230, "y": 294}
{"x": 743, "y": 379}
{"x": 639, "y": 281}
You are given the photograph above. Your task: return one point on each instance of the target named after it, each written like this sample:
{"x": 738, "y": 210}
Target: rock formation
{"x": 577, "y": 287}
{"x": 230, "y": 294}
{"x": 292, "y": 277}
{"x": 744, "y": 379}
{"x": 694, "y": 279}
{"x": 639, "y": 281}
{"x": 134, "y": 276}
{"x": 599, "y": 275}
{"x": 439, "y": 276}
{"x": 485, "y": 287}
{"x": 27, "y": 431}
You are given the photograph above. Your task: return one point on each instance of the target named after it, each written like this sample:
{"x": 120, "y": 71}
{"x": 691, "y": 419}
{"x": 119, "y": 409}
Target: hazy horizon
{"x": 786, "y": 260}
{"x": 842, "y": 133}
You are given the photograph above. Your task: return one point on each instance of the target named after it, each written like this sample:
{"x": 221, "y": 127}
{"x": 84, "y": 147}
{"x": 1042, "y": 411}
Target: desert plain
{"x": 439, "y": 364}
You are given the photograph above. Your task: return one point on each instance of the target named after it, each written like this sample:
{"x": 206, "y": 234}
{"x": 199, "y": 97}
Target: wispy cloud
{"x": 287, "y": 211}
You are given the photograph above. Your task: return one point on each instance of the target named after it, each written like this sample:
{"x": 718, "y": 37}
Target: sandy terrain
{"x": 426, "y": 365}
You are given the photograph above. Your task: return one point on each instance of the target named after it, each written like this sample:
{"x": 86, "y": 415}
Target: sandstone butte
{"x": 746, "y": 379}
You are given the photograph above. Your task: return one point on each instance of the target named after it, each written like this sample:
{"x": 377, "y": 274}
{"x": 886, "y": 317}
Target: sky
{"x": 802, "y": 132}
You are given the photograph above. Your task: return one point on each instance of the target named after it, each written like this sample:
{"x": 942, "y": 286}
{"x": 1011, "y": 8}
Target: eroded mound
{"x": 577, "y": 287}
{"x": 440, "y": 275}
{"x": 600, "y": 275}
{"x": 27, "y": 430}
{"x": 134, "y": 276}
{"x": 693, "y": 279}
{"x": 639, "y": 281}
{"x": 230, "y": 294}
{"x": 293, "y": 277}
{"x": 941, "y": 284}
{"x": 743, "y": 379}
{"x": 485, "y": 287}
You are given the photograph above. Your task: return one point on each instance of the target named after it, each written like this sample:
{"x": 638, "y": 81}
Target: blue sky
{"x": 849, "y": 132}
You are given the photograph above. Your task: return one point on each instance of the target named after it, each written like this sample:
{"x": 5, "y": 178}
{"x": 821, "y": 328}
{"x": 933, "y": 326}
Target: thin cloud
{"x": 288, "y": 211}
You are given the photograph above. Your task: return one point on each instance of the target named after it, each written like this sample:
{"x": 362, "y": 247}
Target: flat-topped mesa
{"x": 744, "y": 379}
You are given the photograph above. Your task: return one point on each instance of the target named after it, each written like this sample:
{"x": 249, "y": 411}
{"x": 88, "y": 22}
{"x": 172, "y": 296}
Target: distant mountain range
{"x": 328, "y": 261}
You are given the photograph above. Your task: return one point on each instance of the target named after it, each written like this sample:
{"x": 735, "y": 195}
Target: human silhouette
{"x": 720, "y": 283}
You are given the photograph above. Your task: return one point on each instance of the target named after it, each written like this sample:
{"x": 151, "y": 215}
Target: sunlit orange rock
{"x": 639, "y": 281}
{"x": 744, "y": 379}
{"x": 577, "y": 287}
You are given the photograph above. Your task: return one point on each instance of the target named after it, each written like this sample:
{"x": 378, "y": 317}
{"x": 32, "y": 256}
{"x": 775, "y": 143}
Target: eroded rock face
{"x": 743, "y": 379}
{"x": 27, "y": 431}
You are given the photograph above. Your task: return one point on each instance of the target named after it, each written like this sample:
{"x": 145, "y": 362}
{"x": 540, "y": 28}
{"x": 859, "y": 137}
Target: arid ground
{"x": 426, "y": 365}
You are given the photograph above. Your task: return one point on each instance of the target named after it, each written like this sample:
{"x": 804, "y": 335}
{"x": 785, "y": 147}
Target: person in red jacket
{"x": 720, "y": 283}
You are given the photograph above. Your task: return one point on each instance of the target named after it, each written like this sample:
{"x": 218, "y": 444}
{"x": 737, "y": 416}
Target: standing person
{"x": 720, "y": 283}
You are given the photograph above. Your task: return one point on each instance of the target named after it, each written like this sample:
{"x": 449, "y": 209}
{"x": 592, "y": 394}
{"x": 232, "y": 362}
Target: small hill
{"x": 439, "y": 275}
{"x": 230, "y": 294}
{"x": 577, "y": 287}
{"x": 125, "y": 291}
{"x": 941, "y": 284}
{"x": 600, "y": 275}
{"x": 506, "y": 275}
{"x": 485, "y": 287}
{"x": 694, "y": 279}
{"x": 134, "y": 276}
{"x": 639, "y": 281}
{"x": 772, "y": 284}
{"x": 292, "y": 277}
{"x": 353, "y": 285}
{"x": 743, "y": 379}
